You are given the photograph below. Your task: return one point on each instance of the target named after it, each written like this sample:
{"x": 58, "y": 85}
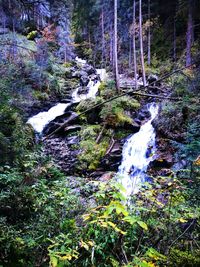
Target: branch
{"x": 181, "y": 234}
{"x": 123, "y": 94}
{"x": 12, "y": 44}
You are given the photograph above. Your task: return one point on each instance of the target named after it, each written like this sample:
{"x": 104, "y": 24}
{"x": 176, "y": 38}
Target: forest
{"x": 99, "y": 133}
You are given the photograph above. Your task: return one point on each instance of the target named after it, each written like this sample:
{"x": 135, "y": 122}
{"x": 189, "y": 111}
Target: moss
{"x": 67, "y": 64}
{"x": 41, "y": 96}
{"x": 108, "y": 90}
{"x": 113, "y": 113}
{"x": 92, "y": 152}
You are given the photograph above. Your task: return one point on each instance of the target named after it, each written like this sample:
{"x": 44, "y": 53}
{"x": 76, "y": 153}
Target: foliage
{"x": 32, "y": 214}
{"x": 150, "y": 232}
{"x": 113, "y": 113}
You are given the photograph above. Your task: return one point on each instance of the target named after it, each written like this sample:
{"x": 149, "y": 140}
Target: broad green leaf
{"x": 53, "y": 261}
{"x": 130, "y": 219}
{"x": 143, "y": 225}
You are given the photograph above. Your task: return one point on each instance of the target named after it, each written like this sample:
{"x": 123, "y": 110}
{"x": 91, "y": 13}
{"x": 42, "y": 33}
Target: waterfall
{"x": 42, "y": 119}
{"x": 138, "y": 152}
{"x": 92, "y": 86}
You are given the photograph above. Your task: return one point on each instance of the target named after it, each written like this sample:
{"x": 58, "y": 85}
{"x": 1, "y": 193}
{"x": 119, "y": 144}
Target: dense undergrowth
{"x": 45, "y": 221}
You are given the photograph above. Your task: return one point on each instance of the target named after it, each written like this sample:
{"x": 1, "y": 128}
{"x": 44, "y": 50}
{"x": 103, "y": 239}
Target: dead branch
{"x": 100, "y": 134}
{"x": 130, "y": 91}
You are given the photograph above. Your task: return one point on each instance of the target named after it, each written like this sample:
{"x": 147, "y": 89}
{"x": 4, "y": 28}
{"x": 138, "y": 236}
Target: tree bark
{"x": 111, "y": 47}
{"x": 103, "y": 38}
{"x": 174, "y": 41}
{"x": 134, "y": 48}
{"x": 130, "y": 54}
{"x": 189, "y": 34}
{"x": 115, "y": 48}
{"x": 149, "y": 33}
{"x": 141, "y": 43}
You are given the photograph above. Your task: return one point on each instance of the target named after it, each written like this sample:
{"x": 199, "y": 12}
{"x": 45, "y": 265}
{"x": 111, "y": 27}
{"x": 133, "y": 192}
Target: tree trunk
{"x": 130, "y": 54}
{"x": 174, "y": 41}
{"x": 103, "y": 39}
{"x": 189, "y": 34}
{"x": 134, "y": 48}
{"x": 141, "y": 43}
{"x": 111, "y": 46}
{"x": 149, "y": 33}
{"x": 115, "y": 48}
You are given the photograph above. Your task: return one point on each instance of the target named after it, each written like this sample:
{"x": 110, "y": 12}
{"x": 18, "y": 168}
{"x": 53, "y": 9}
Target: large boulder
{"x": 89, "y": 69}
{"x": 84, "y": 80}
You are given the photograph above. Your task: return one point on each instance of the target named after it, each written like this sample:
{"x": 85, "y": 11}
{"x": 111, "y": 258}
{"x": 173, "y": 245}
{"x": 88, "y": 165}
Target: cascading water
{"x": 138, "y": 152}
{"x": 92, "y": 86}
{"x": 42, "y": 119}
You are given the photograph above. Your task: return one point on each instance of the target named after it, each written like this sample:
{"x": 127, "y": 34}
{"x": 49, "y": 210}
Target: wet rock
{"x": 72, "y": 128}
{"x": 133, "y": 127}
{"x": 162, "y": 162}
{"x": 83, "y": 90}
{"x": 71, "y": 116}
{"x": 94, "y": 77}
{"x": 84, "y": 80}
{"x": 143, "y": 115}
{"x": 137, "y": 121}
{"x": 112, "y": 160}
{"x": 89, "y": 69}
{"x": 182, "y": 164}
{"x": 107, "y": 176}
{"x": 79, "y": 73}
{"x": 66, "y": 100}
{"x": 73, "y": 140}
{"x": 59, "y": 149}
{"x": 152, "y": 79}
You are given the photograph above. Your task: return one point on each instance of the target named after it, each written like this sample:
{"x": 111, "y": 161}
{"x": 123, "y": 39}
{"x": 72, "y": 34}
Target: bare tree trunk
{"x": 130, "y": 54}
{"x": 149, "y": 33}
{"x": 141, "y": 43}
{"x": 189, "y": 34}
{"x": 103, "y": 38}
{"x": 174, "y": 41}
{"x": 134, "y": 48}
{"x": 111, "y": 46}
{"x": 115, "y": 48}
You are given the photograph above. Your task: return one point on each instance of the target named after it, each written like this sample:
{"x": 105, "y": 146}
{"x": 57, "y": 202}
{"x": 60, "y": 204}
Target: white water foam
{"x": 40, "y": 120}
{"x": 92, "y": 86}
{"x": 138, "y": 152}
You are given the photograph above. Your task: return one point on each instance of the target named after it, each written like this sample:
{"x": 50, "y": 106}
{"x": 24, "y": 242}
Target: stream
{"x": 138, "y": 150}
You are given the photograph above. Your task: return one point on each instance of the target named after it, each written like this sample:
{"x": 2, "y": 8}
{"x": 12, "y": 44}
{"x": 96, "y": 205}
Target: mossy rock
{"x": 92, "y": 152}
{"x": 114, "y": 112}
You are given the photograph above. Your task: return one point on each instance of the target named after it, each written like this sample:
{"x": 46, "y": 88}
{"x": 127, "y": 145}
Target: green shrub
{"x": 32, "y": 35}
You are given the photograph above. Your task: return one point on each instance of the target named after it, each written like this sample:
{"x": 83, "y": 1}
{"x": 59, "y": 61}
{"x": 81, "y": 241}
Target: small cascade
{"x": 138, "y": 152}
{"x": 92, "y": 87}
{"x": 42, "y": 119}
